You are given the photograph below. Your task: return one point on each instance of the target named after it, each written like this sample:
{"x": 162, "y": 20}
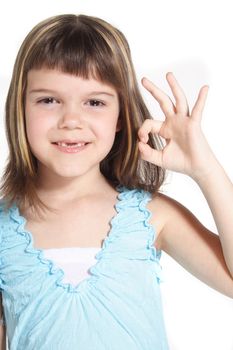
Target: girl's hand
{"x": 186, "y": 150}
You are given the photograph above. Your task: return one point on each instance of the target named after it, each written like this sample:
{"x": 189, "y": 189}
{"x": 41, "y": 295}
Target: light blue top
{"x": 118, "y": 307}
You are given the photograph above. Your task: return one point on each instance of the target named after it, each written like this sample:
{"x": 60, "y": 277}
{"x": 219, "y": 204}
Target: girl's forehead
{"x": 48, "y": 77}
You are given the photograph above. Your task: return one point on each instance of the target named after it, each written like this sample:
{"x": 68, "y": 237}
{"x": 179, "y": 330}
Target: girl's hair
{"x": 84, "y": 46}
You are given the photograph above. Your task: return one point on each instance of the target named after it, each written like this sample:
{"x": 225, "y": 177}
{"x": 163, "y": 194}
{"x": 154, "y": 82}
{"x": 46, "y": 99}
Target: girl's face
{"x": 62, "y": 113}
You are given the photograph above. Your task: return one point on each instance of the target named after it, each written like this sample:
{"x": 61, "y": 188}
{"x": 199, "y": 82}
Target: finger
{"x": 149, "y": 125}
{"x": 200, "y": 103}
{"x": 181, "y": 100}
{"x": 164, "y": 100}
{"x": 149, "y": 154}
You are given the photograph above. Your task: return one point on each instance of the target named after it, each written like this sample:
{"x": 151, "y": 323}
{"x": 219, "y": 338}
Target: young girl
{"x": 82, "y": 221}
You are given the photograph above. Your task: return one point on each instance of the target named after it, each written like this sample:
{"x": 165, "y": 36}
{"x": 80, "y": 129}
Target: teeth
{"x": 64, "y": 144}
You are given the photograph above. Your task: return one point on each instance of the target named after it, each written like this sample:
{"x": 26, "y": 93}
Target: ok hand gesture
{"x": 186, "y": 150}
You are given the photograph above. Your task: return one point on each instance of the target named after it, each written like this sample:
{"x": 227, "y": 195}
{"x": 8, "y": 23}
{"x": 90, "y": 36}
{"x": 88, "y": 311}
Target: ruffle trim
{"x": 155, "y": 254}
{"x": 125, "y": 195}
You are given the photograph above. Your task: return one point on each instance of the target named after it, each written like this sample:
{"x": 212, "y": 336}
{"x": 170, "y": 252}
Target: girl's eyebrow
{"x": 101, "y": 93}
{"x": 34, "y": 91}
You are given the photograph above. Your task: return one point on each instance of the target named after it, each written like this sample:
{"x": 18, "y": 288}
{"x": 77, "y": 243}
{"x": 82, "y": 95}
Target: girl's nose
{"x": 71, "y": 120}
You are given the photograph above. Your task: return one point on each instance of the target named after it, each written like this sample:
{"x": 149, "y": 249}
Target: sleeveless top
{"x": 118, "y": 306}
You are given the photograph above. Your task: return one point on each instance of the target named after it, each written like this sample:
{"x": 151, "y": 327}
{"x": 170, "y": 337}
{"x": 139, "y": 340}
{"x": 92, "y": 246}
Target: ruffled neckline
{"x": 53, "y": 269}
{"x": 126, "y": 197}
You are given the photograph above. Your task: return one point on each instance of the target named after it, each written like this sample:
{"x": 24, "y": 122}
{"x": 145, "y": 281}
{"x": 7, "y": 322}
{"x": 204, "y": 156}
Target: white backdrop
{"x": 194, "y": 40}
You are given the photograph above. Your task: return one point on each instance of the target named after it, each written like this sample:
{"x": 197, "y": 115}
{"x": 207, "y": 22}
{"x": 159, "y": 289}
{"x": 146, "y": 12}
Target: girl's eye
{"x": 96, "y": 103}
{"x": 48, "y": 100}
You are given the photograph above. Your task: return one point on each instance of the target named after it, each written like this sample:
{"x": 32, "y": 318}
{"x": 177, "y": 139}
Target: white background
{"x": 194, "y": 40}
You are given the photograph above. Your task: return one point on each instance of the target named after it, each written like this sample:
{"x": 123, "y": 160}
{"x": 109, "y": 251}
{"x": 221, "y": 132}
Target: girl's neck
{"x": 62, "y": 200}
{"x": 56, "y": 190}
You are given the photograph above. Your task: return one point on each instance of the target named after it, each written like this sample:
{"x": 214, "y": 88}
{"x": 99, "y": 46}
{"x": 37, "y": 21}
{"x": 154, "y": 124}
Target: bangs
{"x": 78, "y": 50}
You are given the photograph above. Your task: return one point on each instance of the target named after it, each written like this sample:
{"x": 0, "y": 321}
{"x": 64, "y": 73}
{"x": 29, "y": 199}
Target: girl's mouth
{"x": 70, "y": 147}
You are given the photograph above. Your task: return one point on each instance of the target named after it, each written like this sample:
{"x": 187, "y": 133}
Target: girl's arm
{"x": 191, "y": 244}
{"x": 200, "y": 251}
{"x": 218, "y": 191}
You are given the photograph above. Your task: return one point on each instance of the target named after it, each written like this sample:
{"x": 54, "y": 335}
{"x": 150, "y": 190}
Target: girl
{"x": 86, "y": 163}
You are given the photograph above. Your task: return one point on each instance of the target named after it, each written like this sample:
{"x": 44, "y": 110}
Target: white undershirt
{"x": 75, "y": 262}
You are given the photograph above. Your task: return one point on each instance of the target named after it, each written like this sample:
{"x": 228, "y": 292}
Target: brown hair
{"x": 84, "y": 46}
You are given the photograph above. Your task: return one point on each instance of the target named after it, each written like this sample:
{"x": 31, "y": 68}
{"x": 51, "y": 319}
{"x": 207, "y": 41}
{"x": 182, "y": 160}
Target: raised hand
{"x": 186, "y": 150}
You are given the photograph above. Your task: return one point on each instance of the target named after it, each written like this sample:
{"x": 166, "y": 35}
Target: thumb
{"x": 149, "y": 154}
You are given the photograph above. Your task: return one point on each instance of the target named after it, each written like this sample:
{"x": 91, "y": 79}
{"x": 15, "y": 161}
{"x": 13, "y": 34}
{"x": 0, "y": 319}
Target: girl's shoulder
{"x": 162, "y": 206}
{"x": 166, "y": 214}
{"x": 159, "y": 208}
{"x": 159, "y": 205}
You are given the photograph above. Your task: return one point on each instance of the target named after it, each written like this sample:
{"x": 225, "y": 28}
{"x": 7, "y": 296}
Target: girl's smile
{"x": 68, "y": 116}
{"x": 71, "y": 147}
